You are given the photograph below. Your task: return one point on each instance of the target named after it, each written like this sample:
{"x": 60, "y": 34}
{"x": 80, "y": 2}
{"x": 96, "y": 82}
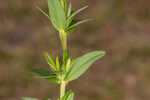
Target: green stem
{"x": 63, "y": 38}
{"x": 62, "y": 89}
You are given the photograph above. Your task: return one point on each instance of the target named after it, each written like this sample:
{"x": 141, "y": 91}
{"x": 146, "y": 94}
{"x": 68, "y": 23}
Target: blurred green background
{"x": 120, "y": 27}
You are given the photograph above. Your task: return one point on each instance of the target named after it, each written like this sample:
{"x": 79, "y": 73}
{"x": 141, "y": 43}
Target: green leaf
{"x": 54, "y": 80}
{"x": 57, "y": 14}
{"x": 69, "y": 10}
{"x": 50, "y": 62}
{"x": 43, "y": 72}
{"x": 79, "y": 22}
{"x": 77, "y": 11}
{"x": 74, "y": 23}
{"x": 68, "y": 96}
{"x": 81, "y": 64}
{"x": 70, "y": 30}
{"x": 68, "y": 65}
{"x": 43, "y": 12}
{"x": 69, "y": 19}
{"x": 64, "y": 5}
{"x": 27, "y": 98}
{"x": 65, "y": 58}
{"x": 57, "y": 63}
{"x": 46, "y": 74}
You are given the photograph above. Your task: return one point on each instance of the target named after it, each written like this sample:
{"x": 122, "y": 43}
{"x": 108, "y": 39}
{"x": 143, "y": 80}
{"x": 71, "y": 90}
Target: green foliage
{"x": 57, "y": 14}
{"x": 46, "y": 74}
{"x": 69, "y": 10}
{"x": 57, "y": 63}
{"x": 71, "y": 23}
{"x": 63, "y": 71}
{"x": 43, "y": 13}
{"x": 81, "y": 64}
{"x": 50, "y": 62}
{"x": 72, "y": 70}
{"x": 68, "y": 96}
{"x": 61, "y": 18}
{"x": 72, "y": 15}
{"x": 76, "y": 23}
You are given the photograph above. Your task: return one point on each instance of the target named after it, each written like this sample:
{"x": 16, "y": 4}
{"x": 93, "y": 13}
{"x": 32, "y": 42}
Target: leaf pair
{"x": 72, "y": 70}
{"x": 61, "y": 18}
{"x": 55, "y": 72}
{"x": 52, "y": 75}
{"x": 54, "y": 66}
{"x": 71, "y": 23}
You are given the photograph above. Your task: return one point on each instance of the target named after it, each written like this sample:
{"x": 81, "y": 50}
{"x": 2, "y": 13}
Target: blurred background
{"x": 120, "y": 27}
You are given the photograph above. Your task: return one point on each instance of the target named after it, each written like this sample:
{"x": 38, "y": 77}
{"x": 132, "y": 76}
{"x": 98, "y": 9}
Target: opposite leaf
{"x": 81, "y": 64}
{"x": 50, "y": 62}
{"x": 69, "y": 10}
{"x": 57, "y": 14}
{"x": 76, "y": 23}
{"x": 73, "y": 14}
{"x": 43, "y": 73}
{"x": 43, "y": 12}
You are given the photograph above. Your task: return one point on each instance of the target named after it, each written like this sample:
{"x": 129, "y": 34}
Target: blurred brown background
{"x": 121, "y": 28}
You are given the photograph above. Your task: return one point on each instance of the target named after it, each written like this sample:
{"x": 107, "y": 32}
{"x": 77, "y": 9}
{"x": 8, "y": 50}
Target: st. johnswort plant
{"x": 62, "y": 72}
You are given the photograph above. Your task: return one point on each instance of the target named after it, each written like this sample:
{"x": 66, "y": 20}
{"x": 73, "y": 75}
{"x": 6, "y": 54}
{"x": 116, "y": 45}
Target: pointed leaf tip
{"x": 50, "y": 61}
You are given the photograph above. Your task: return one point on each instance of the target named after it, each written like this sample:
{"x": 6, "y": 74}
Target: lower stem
{"x": 62, "y": 89}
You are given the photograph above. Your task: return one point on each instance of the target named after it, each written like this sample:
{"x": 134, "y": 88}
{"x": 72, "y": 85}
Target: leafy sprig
{"x": 66, "y": 70}
{"x": 63, "y": 18}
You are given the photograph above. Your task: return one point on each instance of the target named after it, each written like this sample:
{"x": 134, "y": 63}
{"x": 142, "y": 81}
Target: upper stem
{"x": 63, "y": 38}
